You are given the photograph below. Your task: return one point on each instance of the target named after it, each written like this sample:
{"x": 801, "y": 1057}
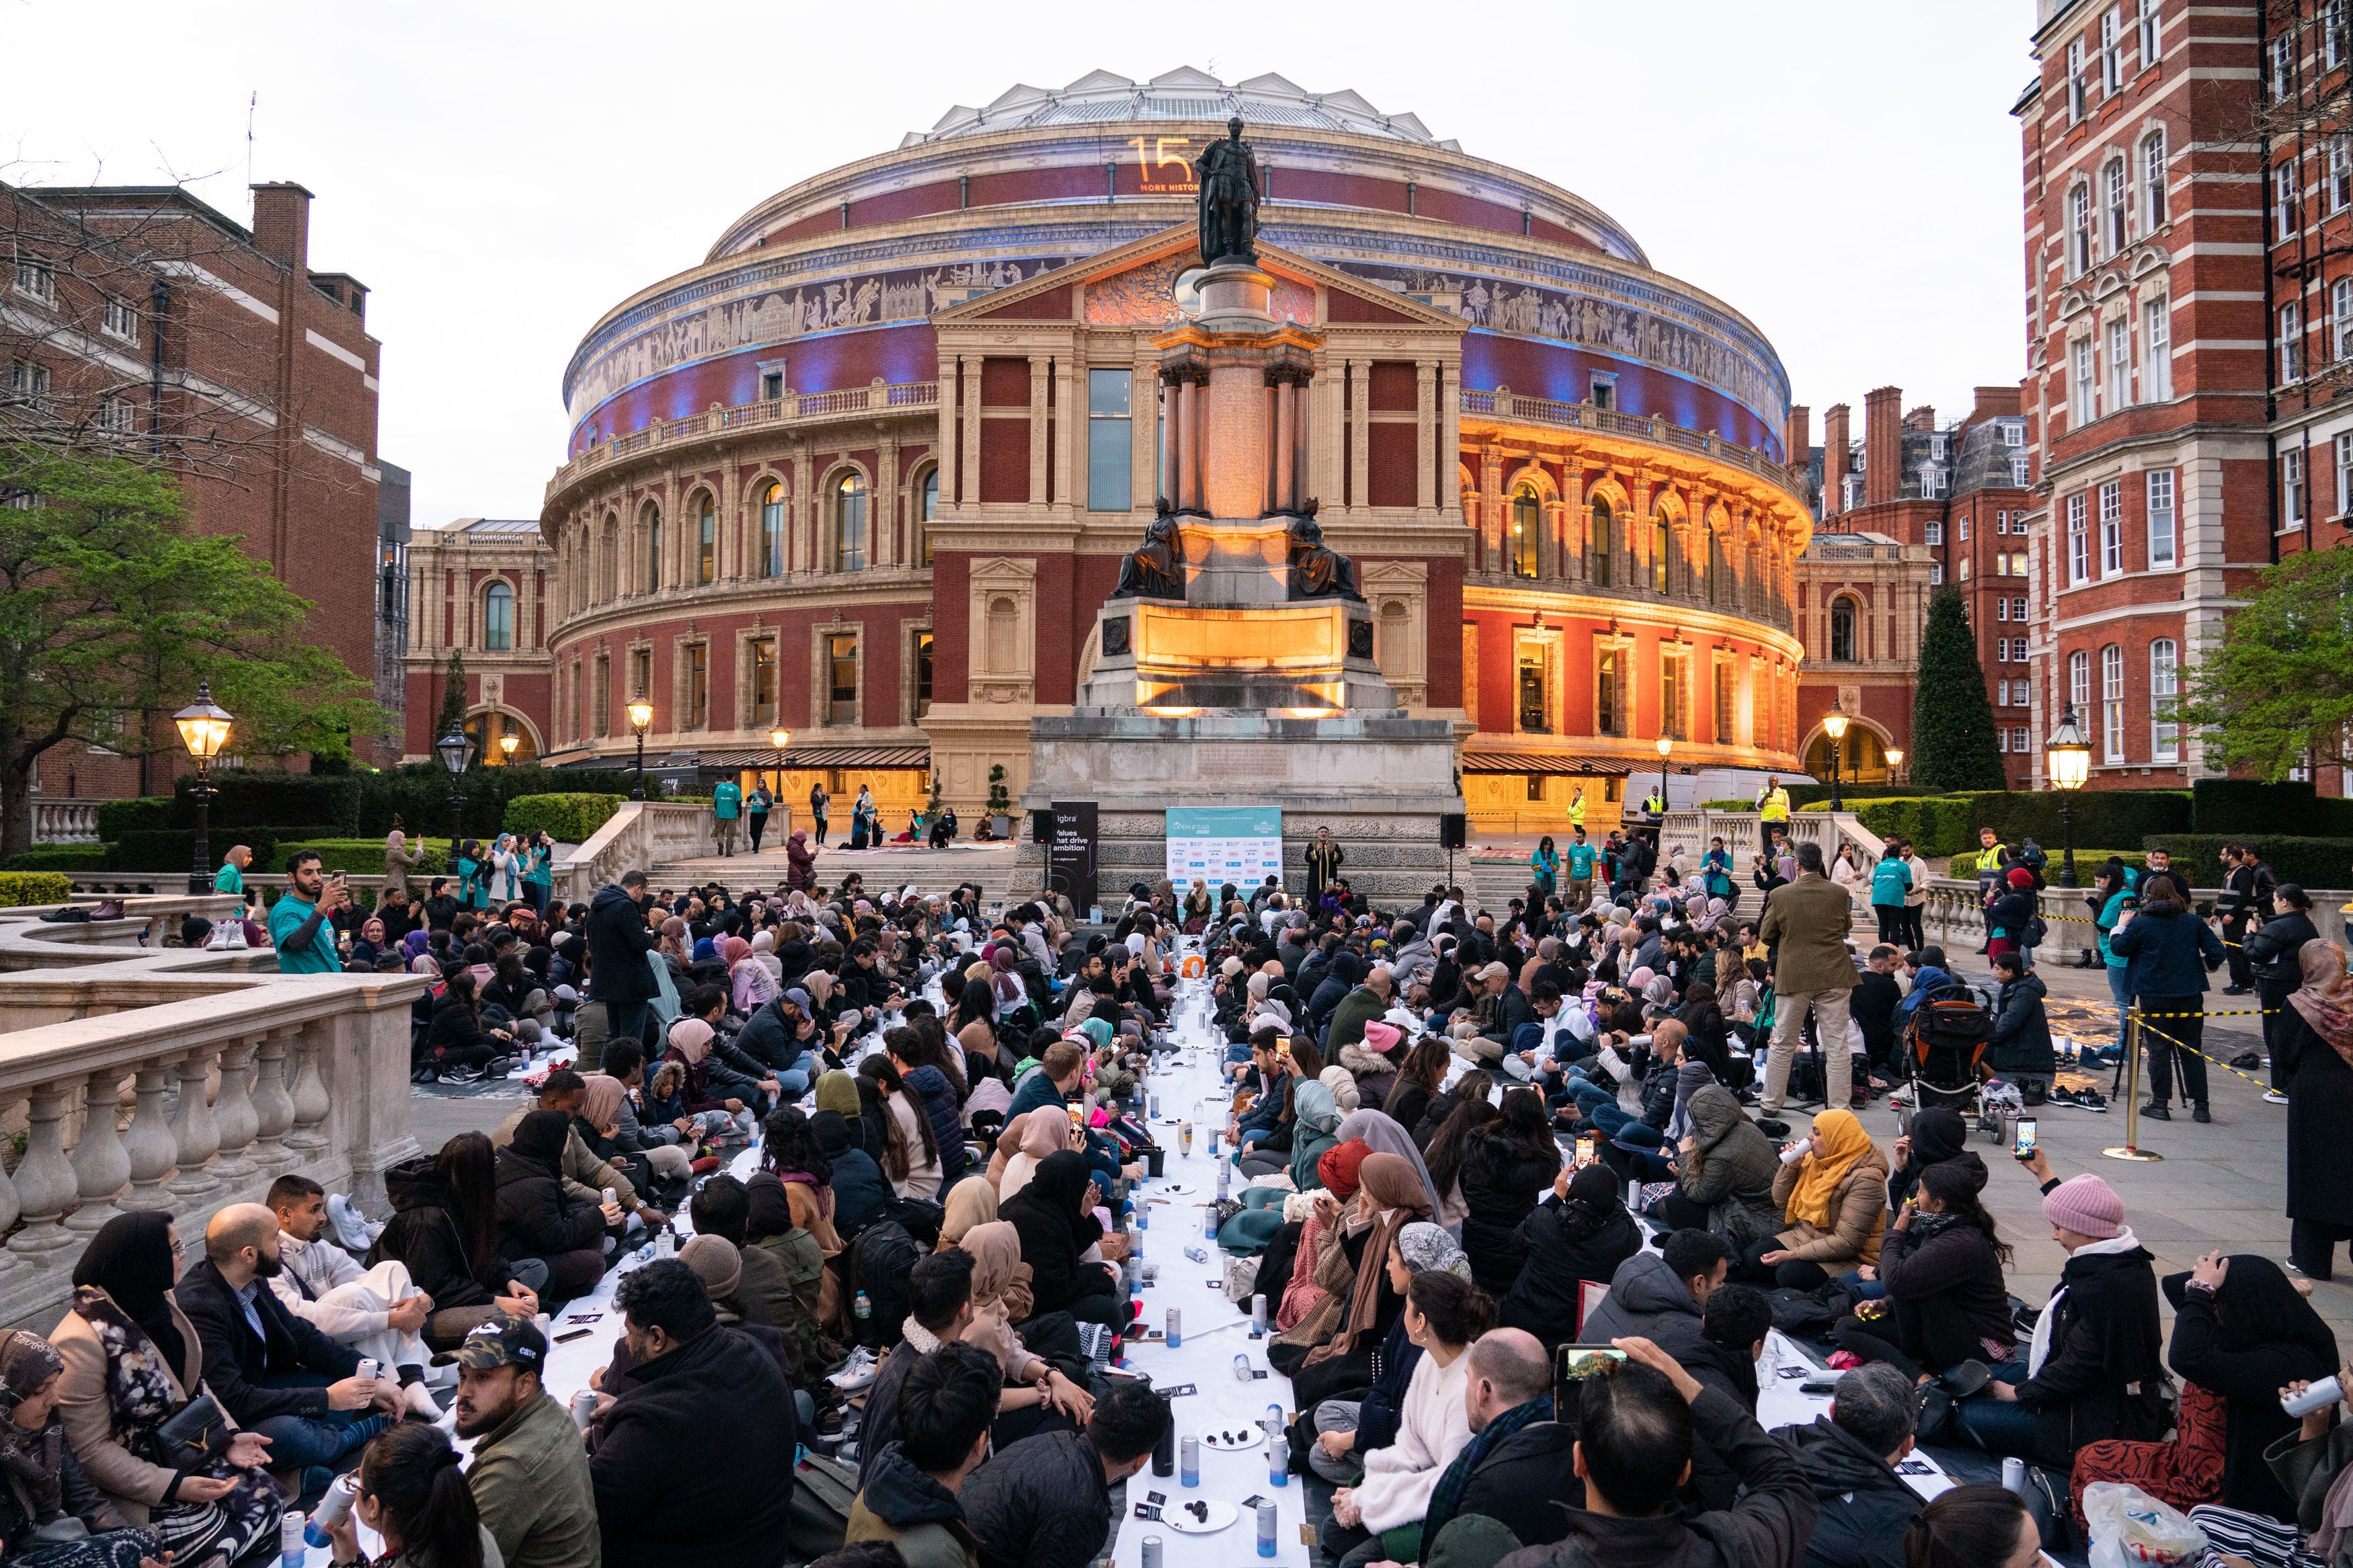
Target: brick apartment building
{"x": 141, "y": 318}
{"x": 2191, "y": 323}
{"x": 1907, "y": 507}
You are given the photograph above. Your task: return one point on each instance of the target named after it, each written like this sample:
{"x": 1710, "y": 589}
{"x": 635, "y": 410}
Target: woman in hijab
{"x": 690, "y": 1047}
{"x": 2241, "y": 1331}
{"x": 1343, "y": 1085}
{"x": 1938, "y": 1135}
{"x": 1315, "y": 1123}
{"x": 1584, "y": 1235}
{"x": 1054, "y": 1214}
{"x": 971, "y": 1203}
{"x": 416, "y": 948}
{"x": 1000, "y": 1298}
{"x": 1833, "y": 1202}
{"x": 539, "y": 1218}
{"x": 598, "y": 1124}
{"x": 46, "y": 1487}
{"x": 2312, "y": 1053}
{"x": 748, "y": 982}
{"x": 131, "y": 1361}
{"x": 1506, "y": 1164}
{"x": 1380, "y": 1134}
{"x": 1038, "y": 1135}
{"x": 1389, "y": 1195}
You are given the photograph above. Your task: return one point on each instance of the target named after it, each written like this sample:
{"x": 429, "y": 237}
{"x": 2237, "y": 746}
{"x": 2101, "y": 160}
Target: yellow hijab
{"x": 1844, "y": 1141}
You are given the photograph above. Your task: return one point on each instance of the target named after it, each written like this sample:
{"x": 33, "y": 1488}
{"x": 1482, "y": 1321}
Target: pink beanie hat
{"x": 2087, "y": 1206}
{"x": 1382, "y": 1037}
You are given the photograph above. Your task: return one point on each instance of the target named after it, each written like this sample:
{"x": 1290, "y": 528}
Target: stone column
{"x": 100, "y": 1163}
{"x": 1425, "y": 434}
{"x": 1360, "y": 445}
{"x": 1188, "y": 441}
{"x": 1573, "y": 519}
{"x": 1286, "y": 440}
{"x": 1037, "y": 373}
{"x": 800, "y": 537}
{"x": 885, "y": 532}
{"x": 1171, "y": 418}
{"x": 149, "y": 1140}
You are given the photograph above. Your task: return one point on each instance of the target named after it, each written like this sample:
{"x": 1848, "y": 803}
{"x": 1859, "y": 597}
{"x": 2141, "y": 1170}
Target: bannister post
{"x": 273, "y": 1108}
{"x": 310, "y": 1096}
{"x": 199, "y": 1141}
{"x": 45, "y": 1180}
{"x": 233, "y": 1113}
{"x": 101, "y": 1165}
{"x": 149, "y": 1141}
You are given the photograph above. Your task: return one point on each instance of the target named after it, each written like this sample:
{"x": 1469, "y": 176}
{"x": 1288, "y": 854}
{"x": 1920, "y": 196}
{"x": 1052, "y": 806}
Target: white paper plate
{"x": 1215, "y": 1441}
{"x": 1174, "y": 1189}
{"x": 1221, "y": 1514}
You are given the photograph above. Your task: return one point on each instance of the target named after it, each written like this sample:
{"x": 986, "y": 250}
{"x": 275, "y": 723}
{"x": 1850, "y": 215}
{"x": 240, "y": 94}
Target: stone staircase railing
{"x": 179, "y": 1080}
{"x": 640, "y": 836}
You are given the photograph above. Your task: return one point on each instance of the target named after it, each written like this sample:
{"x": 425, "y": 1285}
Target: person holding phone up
{"x": 300, "y": 925}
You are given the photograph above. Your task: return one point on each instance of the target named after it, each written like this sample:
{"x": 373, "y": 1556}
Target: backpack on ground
{"x": 817, "y": 1517}
{"x": 880, "y": 1262}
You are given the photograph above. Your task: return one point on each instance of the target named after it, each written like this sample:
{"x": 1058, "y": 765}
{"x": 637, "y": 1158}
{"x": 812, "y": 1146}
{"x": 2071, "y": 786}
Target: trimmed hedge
{"x": 145, "y": 814}
{"x": 2313, "y": 862}
{"x": 172, "y": 851}
{"x": 59, "y": 858}
{"x": 2251, "y": 805}
{"x": 419, "y": 795}
{"x": 360, "y": 856}
{"x": 329, "y": 802}
{"x": 25, "y": 889}
{"x": 568, "y": 818}
{"x": 2102, "y": 816}
{"x": 1807, "y": 793}
{"x": 2087, "y": 862}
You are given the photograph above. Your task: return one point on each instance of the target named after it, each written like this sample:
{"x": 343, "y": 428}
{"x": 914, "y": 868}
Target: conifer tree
{"x": 453, "y": 697}
{"x": 1953, "y": 742}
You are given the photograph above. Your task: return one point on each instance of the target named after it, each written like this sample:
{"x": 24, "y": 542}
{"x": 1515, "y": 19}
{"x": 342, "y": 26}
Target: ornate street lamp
{"x": 781, "y": 739}
{"x": 507, "y": 744}
{"x": 1666, "y": 744}
{"x": 641, "y": 718}
{"x": 1834, "y": 726}
{"x": 204, "y": 729}
{"x": 1894, "y": 764}
{"x": 455, "y": 751}
{"x": 2067, "y": 759}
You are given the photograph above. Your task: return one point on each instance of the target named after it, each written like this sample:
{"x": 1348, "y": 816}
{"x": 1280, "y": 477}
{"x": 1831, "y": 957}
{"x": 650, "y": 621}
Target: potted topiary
{"x": 1000, "y": 804}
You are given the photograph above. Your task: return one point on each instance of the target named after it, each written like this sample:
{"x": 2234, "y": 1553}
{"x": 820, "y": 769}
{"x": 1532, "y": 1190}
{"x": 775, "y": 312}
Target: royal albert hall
{"x": 868, "y": 472}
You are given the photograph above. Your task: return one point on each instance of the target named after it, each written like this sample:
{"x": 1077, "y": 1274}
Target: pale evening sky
{"x": 1844, "y": 172}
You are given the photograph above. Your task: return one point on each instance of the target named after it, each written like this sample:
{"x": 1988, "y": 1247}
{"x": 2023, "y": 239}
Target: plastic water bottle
{"x": 1188, "y": 1463}
{"x": 332, "y": 1509}
{"x": 1143, "y": 1220}
{"x": 862, "y": 1307}
{"x": 1258, "y": 1315}
{"x": 665, "y": 1243}
{"x": 370, "y": 1369}
{"x": 1241, "y": 1367}
{"x": 292, "y": 1546}
{"x": 1225, "y": 1173}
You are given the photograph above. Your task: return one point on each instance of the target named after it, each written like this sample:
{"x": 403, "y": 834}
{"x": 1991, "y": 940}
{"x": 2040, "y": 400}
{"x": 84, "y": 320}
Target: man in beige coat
{"x": 1808, "y": 919}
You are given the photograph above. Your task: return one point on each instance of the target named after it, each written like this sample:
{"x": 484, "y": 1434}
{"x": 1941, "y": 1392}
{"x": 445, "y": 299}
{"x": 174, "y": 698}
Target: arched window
{"x": 1842, "y": 631}
{"x": 772, "y": 531}
{"x": 930, "y": 509}
{"x": 1598, "y": 564}
{"x": 498, "y": 618}
{"x": 609, "y": 562}
{"x": 1527, "y": 521}
{"x": 2119, "y": 231}
{"x": 2152, "y": 169}
{"x": 1661, "y": 537}
{"x": 1715, "y": 565}
{"x": 706, "y": 545}
{"x": 653, "y": 548}
{"x": 850, "y": 524}
{"x": 2079, "y": 231}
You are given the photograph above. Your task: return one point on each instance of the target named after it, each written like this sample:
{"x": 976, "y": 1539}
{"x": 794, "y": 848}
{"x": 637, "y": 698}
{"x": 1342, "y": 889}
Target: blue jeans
{"x": 792, "y": 1084}
{"x": 325, "y": 1440}
{"x": 2120, "y": 993}
{"x": 1864, "y": 1289}
{"x": 2002, "y": 1428}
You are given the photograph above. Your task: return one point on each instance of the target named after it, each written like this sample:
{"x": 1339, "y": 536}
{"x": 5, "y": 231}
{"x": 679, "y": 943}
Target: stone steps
{"x": 934, "y": 871}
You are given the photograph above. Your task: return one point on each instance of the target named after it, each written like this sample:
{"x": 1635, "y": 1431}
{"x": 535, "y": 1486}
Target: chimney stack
{"x": 1834, "y": 458}
{"x": 1923, "y": 418}
{"x": 1882, "y": 445}
{"x": 1798, "y": 435}
{"x": 1994, "y": 401}
{"x": 281, "y": 224}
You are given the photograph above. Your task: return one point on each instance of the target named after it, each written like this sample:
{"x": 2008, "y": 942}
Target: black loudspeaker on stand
{"x": 1453, "y": 830}
{"x": 1041, "y": 827}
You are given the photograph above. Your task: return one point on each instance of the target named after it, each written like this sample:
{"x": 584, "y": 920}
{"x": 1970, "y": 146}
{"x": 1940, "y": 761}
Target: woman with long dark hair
{"x": 1505, "y": 1166}
{"x": 1942, "y": 1262}
{"x": 911, "y": 1150}
{"x": 791, "y": 1161}
{"x": 1443, "y": 1155}
{"x": 413, "y": 1493}
{"x": 445, "y": 1229}
{"x": 1422, "y": 1075}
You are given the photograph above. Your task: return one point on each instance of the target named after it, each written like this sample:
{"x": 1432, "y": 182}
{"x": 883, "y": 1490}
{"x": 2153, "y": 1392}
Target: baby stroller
{"x": 1944, "y": 1045}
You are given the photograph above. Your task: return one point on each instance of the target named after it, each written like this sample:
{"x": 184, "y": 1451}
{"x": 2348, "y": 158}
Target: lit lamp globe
{"x": 780, "y": 738}
{"x": 1894, "y": 761}
{"x": 507, "y": 744}
{"x": 204, "y": 727}
{"x": 1835, "y": 725}
{"x": 2067, "y": 755}
{"x": 641, "y": 715}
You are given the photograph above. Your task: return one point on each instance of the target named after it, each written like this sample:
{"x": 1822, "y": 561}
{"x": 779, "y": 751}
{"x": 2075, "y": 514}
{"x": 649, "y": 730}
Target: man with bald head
{"x": 1521, "y": 1467}
{"x": 273, "y": 1372}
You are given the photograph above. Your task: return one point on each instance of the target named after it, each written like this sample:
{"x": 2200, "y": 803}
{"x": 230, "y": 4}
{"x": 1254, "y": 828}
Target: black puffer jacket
{"x": 1866, "y": 1505}
{"x": 1502, "y": 1179}
{"x": 2022, "y": 1030}
{"x": 1943, "y": 1255}
{"x": 1528, "y": 1483}
{"x": 1041, "y": 1503}
{"x": 714, "y": 1419}
{"x": 1565, "y": 1244}
{"x": 617, "y": 945}
{"x": 536, "y": 1219}
{"x": 426, "y": 1234}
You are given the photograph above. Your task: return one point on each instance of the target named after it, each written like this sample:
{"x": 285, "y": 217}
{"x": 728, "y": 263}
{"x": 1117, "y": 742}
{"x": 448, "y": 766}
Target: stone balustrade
{"x": 179, "y": 1080}
{"x": 640, "y": 836}
{"x": 790, "y": 410}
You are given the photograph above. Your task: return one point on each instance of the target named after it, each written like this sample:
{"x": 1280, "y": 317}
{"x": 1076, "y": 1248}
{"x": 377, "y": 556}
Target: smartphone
{"x": 1575, "y": 1362}
{"x": 2025, "y": 1146}
{"x": 1818, "y": 1386}
{"x": 1585, "y": 1151}
{"x": 574, "y": 1334}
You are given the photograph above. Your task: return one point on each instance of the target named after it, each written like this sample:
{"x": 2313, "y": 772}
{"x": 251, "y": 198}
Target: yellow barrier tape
{"x": 2194, "y": 1052}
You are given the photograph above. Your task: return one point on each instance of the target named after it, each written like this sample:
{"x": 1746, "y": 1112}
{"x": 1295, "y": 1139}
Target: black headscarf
{"x": 1055, "y": 1188}
{"x": 1939, "y": 1136}
{"x": 130, "y": 1259}
{"x": 539, "y": 1136}
{"x": 2260, "y": 1306}
{"x": 1593, "y": 1200}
